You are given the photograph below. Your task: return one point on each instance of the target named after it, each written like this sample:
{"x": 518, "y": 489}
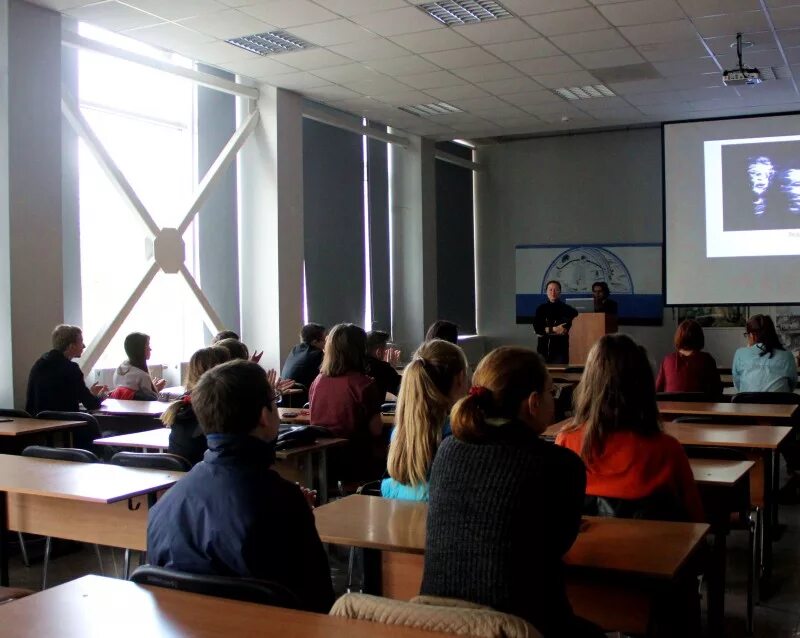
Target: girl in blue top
{"x": 764, "y": 365}
{"x": 434, "y": 380}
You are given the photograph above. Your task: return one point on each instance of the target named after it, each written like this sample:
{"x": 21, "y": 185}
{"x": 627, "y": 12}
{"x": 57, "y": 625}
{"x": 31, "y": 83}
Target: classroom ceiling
{"x": 663, "y": 59}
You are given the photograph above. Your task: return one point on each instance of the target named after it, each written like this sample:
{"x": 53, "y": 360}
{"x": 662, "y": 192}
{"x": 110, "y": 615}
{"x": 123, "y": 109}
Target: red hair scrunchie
{"x": 478, "y": 391}
{"x": 186, "y": 398}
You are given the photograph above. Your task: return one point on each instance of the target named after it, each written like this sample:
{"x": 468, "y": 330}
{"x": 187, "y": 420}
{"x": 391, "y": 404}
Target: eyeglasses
{"x": 276, "y": 398}
{"x": 745, "y": 334}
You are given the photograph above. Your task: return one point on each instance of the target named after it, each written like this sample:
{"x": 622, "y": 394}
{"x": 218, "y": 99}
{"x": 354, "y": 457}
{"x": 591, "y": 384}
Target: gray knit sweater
{"x": 501, "y": 515}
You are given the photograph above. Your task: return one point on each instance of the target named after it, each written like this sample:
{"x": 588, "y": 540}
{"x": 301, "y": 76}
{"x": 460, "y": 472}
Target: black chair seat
{"x": 151, "y": 461}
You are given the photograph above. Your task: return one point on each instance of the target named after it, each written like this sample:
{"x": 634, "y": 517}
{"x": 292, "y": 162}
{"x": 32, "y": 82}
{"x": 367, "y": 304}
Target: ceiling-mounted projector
{"x": 742, "y": 75}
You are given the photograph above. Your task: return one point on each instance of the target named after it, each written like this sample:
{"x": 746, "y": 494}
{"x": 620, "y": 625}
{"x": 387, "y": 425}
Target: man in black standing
{"x": 552, "y": 323}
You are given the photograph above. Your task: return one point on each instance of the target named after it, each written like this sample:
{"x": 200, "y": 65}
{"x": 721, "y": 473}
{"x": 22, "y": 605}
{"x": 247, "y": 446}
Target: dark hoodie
{"x": 56, "y": 383}
{"x": 186, "y": 438}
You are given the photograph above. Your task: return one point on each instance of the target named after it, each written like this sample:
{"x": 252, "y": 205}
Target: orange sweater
{"x": 633, "y": 466}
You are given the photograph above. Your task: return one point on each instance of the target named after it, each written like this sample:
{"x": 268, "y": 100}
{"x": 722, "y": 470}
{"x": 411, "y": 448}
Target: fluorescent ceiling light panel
{"x": 584, "y": 92}
{"x": 270, "y": 43}
{"x": 455, "y": 12}
{"x": 435, "y": 108}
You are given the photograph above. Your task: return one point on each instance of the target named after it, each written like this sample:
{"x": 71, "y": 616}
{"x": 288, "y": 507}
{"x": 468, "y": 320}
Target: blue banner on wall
{"x": 633, "y": 273}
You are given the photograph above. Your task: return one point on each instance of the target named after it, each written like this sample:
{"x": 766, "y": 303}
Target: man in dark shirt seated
{"x": 232, "y": 514}
{"x": 378, "y": 366}
{"x": 303, "y": 363}
{"x": 56, "y": 382}
{"x": 602, "y": 303}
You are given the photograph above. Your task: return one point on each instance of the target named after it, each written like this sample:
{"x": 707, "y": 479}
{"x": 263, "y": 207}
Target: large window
{"x": 144, "y": 118}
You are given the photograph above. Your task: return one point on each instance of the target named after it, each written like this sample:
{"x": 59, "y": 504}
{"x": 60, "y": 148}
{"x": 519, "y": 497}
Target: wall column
{"x": 413, "y": 240}
{"x": 270, "y": 169}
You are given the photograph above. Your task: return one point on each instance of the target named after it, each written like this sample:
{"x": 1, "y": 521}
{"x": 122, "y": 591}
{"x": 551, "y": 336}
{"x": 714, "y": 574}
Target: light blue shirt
{"x": 755, "y": 373}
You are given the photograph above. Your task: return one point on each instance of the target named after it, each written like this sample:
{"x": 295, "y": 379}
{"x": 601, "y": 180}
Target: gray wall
{"x": 591, "y": 188}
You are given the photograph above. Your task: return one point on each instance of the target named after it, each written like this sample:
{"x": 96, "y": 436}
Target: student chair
{"x": 150, "y": 461}
{"x": 250, "y": 590}
{"x": 82, "y": 437}
{"x": 371, "y": 488}
{"x": 74, "y": 455}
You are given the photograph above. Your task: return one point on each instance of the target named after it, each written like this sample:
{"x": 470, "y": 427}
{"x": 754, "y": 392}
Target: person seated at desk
{"x": 305, "y": 359}
{"x": 764, "y": 365}
{"x": 186, "y": 437}
{"x": 552, "y": 323}
{"x": 689, "y": 369}
{"x": 616, "y": 430}
{"x": 133, "y": 375}
{"x": 347, "y": 402}
{"x": 379, "y": 366}
{"x": 602, "y": 303}
{"x": 505, "y": 505}
{"x": 443, "y": 329}
{"x": 225, "y": 335}
{"x": 232, "y": 514}
{"x": 433, "y": 381}
{"x": 56, "y": 382}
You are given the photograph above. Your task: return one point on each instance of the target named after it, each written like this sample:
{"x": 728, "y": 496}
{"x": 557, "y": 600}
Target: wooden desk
{"x": 120, "y": 407}
{"x": 616, "y": 549}
{"x": 21, "y": 427}
{"x": 296, "y": 464}
{"x": 89, "y": 502}
{"x": 94, "y": 606}
{"x": 301, "y": 417}
{"x": 768, "y": 414}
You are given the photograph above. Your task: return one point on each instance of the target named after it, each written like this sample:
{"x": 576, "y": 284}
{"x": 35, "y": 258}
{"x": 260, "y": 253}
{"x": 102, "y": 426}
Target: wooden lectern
{"x": 587, "y": 328}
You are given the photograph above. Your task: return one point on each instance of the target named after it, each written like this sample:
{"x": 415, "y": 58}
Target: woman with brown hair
{"x": 505, "y": 505}
{"x": 689, "y": 369}
{"x": 186, "y": 438}
{"x": 764, "y": 365}
{"x": 432, "y": 382}
{"x": 616, "y": 429}
{"x": 133, "y": 373}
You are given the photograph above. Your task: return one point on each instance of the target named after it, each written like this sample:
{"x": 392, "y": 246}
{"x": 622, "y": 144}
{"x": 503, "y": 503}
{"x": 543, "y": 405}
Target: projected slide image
{"x": 752, "y": 196}
{"x": 761, "y": 186}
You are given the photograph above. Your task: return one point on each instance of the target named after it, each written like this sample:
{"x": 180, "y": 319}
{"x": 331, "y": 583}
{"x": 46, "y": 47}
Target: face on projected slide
{"x": 761, "y": 172}
{"x": 791, "y": 188}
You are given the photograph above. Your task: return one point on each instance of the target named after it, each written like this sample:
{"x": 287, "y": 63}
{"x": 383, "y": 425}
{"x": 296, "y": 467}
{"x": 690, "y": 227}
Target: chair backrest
{"x": 661, "y": 506}
{"x": 697, "y": 397}
{"x": 87, "y": 418}
{"x": 372, "y": 488}
{"x": 246, "y": 589}
{"x": 429, "y": 613}
{"x": 10, "y": 412}
{"x": 151, "y": 461}
{"x": 782, "y": 398}
{"x": 61, "y": 454}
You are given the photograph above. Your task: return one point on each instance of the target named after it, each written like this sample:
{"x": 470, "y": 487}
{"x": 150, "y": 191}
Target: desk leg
{"x": 373, "y": 572}
{"x": 3, "y": 539}
{"x": 322, "y": 476}
{"x": 716, "y": 585}
{"x": 768, "y": 527}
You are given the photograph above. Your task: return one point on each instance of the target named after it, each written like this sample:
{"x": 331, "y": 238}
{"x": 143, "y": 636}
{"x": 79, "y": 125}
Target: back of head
{"x": 229, "y": 397}
{"x": 689, "y": 336}
{"x": 201, "y": 361}
{"x": 443, "y": 329}
{"x": 376, "y": 339}
{"x": 135, "y": 344}
{"x": 345, "y": 350}
{"x": 422, "y": 406}
{"x": 64, "y": 336}
{"x": 763, "y": 330}
{"x": 224, "y": 334}
{"x": 616, "y": 393}
{"x": 312, "y": 332}
{"x": 503, "y": 379}
{"x": 235, "y": 348}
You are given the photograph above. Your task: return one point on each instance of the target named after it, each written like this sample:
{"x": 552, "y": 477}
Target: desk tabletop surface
{"x": 94, "y": 606}
{"x": 610, "y": 544}
{"x": 764, "y": 437}
{"x": 94, "y": 482}
{"x": 121, "y": 407}
{"x": 158, "y": 439}
{"x": 753, "y": 410}
{"x": 719, "y": 472}
{"x": 19, "y": 426}
{"x": 301, "y": 416}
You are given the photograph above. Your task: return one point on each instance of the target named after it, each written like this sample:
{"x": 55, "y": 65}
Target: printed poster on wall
{"x": 633, "y": 273}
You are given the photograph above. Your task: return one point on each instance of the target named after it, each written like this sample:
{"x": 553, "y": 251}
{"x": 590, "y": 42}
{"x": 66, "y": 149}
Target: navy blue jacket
{"x": 302, "y": 365}
{"x": 232, "y": 515}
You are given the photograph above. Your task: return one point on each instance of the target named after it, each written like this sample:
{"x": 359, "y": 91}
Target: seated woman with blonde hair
{"x": 616, "y": 430}
{"x": 434, "y": 380}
